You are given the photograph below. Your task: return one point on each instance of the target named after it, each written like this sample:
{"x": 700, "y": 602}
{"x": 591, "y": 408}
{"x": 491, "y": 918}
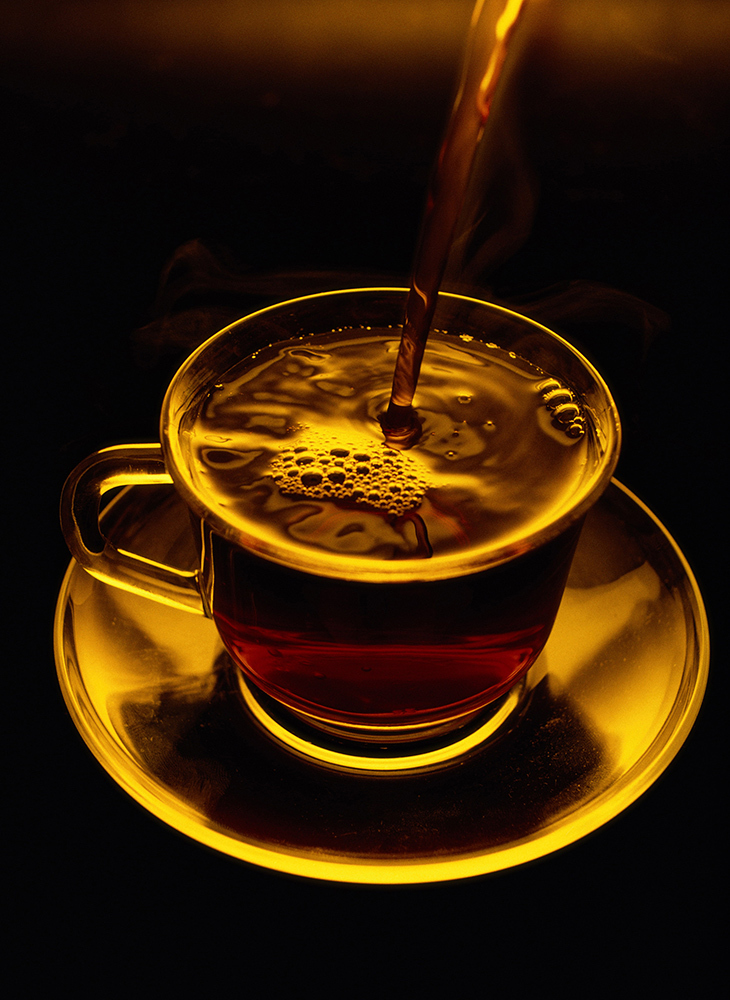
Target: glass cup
{"x": 383, "y": 645}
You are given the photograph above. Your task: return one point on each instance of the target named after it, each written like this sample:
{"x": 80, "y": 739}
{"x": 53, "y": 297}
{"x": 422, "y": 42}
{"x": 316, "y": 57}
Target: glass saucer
{"x": 603, "y": 712}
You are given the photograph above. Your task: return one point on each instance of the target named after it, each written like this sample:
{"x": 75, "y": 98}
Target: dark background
{"x": 124, "y": 140}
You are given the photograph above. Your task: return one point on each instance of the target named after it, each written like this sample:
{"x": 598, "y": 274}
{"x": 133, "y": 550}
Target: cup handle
{"x": 122, "y": 465}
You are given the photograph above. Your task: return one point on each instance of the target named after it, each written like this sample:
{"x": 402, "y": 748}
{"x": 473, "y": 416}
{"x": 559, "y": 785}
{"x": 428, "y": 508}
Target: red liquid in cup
{"x": 375, "y": 653}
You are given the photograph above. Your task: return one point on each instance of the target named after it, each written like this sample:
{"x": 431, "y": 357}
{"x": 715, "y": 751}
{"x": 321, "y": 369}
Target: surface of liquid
{"x": 287, "y": 447}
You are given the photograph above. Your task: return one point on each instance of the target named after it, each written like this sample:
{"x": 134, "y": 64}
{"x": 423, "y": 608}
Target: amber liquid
{"x": 387, "y": 654}
{"x": 487, "y": 49}
{"x": 491, "y": 469}
{"x": 378, "y": 654}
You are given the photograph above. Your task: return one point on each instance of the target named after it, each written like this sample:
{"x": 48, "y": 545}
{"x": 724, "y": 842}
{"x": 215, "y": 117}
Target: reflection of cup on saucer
{"x": 381, "y": 595}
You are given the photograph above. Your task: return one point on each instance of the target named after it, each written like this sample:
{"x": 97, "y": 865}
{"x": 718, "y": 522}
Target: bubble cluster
{"x": 323, "y": 466}
{"x": 561, "y": 402}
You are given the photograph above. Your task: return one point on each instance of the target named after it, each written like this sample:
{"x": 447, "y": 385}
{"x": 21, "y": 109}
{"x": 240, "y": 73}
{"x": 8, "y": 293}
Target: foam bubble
{"x": 324, "y": 466}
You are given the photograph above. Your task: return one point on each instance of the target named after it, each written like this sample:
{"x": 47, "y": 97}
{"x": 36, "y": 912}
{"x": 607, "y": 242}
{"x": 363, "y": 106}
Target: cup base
{"x": 379, "y": 748}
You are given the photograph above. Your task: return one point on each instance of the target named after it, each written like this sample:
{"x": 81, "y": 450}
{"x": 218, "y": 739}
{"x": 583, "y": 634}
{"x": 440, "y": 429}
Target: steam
{"x": 201, "y": 289}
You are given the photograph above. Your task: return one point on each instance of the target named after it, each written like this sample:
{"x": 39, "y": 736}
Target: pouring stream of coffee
{"x": 480, "y": 77}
